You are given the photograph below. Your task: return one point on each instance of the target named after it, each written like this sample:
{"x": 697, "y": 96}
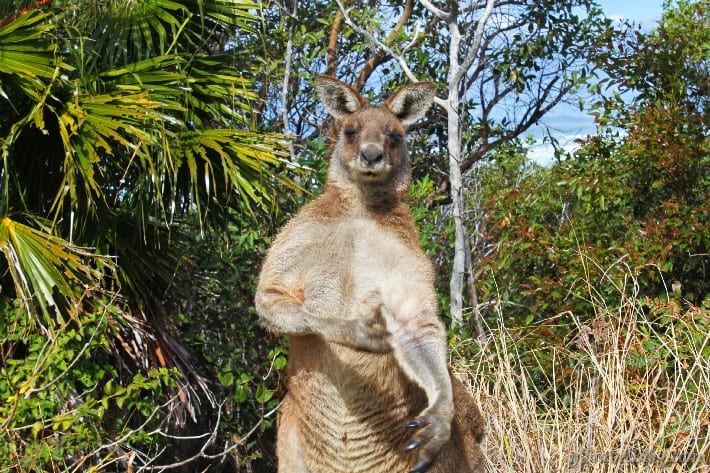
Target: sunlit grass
{"x": 625, "y": 392}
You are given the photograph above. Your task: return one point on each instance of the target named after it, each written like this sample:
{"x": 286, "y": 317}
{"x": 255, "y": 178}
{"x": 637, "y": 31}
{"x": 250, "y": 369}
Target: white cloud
{"x": 544, "y": 153}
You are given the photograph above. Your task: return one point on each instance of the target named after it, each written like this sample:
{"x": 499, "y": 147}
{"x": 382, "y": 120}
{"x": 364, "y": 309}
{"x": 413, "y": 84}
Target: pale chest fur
{"x": 337, "y": 265}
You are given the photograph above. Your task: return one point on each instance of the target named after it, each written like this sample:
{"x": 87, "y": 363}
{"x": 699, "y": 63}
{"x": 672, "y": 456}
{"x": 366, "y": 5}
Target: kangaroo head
{"x": 371, "y": 146}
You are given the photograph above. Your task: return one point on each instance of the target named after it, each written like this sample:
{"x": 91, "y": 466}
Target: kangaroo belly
{"x": 344, "y": 419}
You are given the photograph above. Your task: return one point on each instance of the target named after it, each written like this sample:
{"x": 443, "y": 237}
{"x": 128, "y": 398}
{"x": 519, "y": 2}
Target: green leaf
{"x": 226, "y": 378}
{"x": 241, "y": 394}
{"x": 48, "y": 272}
{"x": 28, "y": 54}
{"x": 263, "y": 394}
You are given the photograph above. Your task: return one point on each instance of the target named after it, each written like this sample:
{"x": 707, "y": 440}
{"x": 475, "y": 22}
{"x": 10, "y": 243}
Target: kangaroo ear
{"x": 412, "y": 102}
{"x": 339, "y": 99}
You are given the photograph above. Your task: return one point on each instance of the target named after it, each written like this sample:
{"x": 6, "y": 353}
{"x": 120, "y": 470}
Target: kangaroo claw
{"x": 420, "y": 467}
{"x": 414, "y": 424}
{"x": 411, "y": 446}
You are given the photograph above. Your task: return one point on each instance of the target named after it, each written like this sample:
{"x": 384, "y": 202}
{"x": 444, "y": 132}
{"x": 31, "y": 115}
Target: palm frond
{"x": 28, "y": 55}
{"x": 50, "y": 274}
{"x": 142, "y": 143}
{"x": 229, "y": 163}
{"x": 207, "y": 89}
{"x": 146, "y": 125}
{"x": 136, "y": 30}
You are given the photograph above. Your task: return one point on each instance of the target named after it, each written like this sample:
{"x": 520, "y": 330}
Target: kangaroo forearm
{"x": 283, "y": 313}
{"x": 421, "y": 352}
{"x": 289, "y": 316}
{"x": 425, "y": 364}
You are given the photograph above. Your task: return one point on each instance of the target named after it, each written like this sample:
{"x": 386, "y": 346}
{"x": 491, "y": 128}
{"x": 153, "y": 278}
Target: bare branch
{"x": 213, "y": 435}
{"x": 475, "y": 73}
{"x": 478, "y": 35}
{"x": 380, "y": 57}
{"x": 379, "y": 44}
{"x": 288, "y": 57}
{"x": 539, "y": 108}
{"x": 147, "y": 462}
{"x": 332, "y": 52}
{"x": 440, "y": 14}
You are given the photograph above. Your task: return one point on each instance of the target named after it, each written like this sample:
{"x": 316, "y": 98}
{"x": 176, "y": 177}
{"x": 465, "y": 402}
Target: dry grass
{"x": 624, "y": 393}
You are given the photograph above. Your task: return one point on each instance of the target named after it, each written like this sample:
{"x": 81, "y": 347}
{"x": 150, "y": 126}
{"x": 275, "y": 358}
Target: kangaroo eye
{"x": 350, "y": 133}
{"x": 395, "y": 138}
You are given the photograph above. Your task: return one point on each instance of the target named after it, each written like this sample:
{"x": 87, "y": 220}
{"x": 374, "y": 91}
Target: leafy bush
{"x": 63, "y": 403}
{"x": 436, "y": 231}
{"x": 213, "y": 314}
{"x": 632, "y": 200}
{"x": 567, "y": 235}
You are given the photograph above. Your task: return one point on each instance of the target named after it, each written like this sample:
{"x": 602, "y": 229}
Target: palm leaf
{"x": 138, "y": 30}
{"x": 50, "y": 274}
{"x": 230, "y": 164}
{"x": 204, "y": 88}
{"x": 28, "y": 55}
{"x": 140, "y": 128}
{"x": 98, "y": 133}
{"x": 219, "y": 90}
{"x": 129, "y": 150}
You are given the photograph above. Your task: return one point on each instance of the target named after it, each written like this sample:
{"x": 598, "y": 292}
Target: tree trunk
{"x": 457, "y": 73}
{"x": 458, "y": 269}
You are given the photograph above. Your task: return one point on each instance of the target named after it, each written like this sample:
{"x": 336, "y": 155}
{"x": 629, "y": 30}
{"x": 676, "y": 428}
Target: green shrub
{"x": 63, "y": 404}
{"x": 566, "y": 237}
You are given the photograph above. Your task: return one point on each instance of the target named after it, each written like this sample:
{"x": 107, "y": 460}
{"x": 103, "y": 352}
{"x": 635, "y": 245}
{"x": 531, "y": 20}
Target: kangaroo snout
{"x": 371, "y": 153}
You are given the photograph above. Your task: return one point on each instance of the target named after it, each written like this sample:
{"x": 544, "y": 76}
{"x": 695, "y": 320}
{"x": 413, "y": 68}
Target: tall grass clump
{"x": 627, "y": 390}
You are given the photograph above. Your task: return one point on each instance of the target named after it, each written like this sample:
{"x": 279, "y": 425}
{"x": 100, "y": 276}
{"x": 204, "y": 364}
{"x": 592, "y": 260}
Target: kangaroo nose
{"x": 370, "y": 154}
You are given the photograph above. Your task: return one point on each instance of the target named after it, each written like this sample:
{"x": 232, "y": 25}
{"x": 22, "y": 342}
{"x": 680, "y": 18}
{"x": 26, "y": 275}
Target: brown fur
{"x": 347, "y": 280}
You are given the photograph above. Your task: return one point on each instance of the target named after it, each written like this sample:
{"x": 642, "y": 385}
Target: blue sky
{"x": 566, "y": 122}
{"x": 641, "y": 11}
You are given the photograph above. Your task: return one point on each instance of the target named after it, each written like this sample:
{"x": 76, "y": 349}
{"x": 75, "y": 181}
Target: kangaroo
{"x": 346, "y": 280}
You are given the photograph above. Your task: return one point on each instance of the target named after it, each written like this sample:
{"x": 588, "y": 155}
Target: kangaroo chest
{"x": 350, "y": 260}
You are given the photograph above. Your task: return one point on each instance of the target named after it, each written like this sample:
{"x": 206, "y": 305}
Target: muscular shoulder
{"x": 328, "y": 206}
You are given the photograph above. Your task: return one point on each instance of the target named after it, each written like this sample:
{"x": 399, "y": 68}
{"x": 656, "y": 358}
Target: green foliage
{"x": 62, "y": 402}
{"x": 532, "y": 61}
{"x": 435, "y": 233}
{"x": 569, "y": 236}
{"x": 214, "y": 313}
{"x": 49, "y": 273}
{"x": 128, "y": 127}
{"x": 668, "y": 65}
